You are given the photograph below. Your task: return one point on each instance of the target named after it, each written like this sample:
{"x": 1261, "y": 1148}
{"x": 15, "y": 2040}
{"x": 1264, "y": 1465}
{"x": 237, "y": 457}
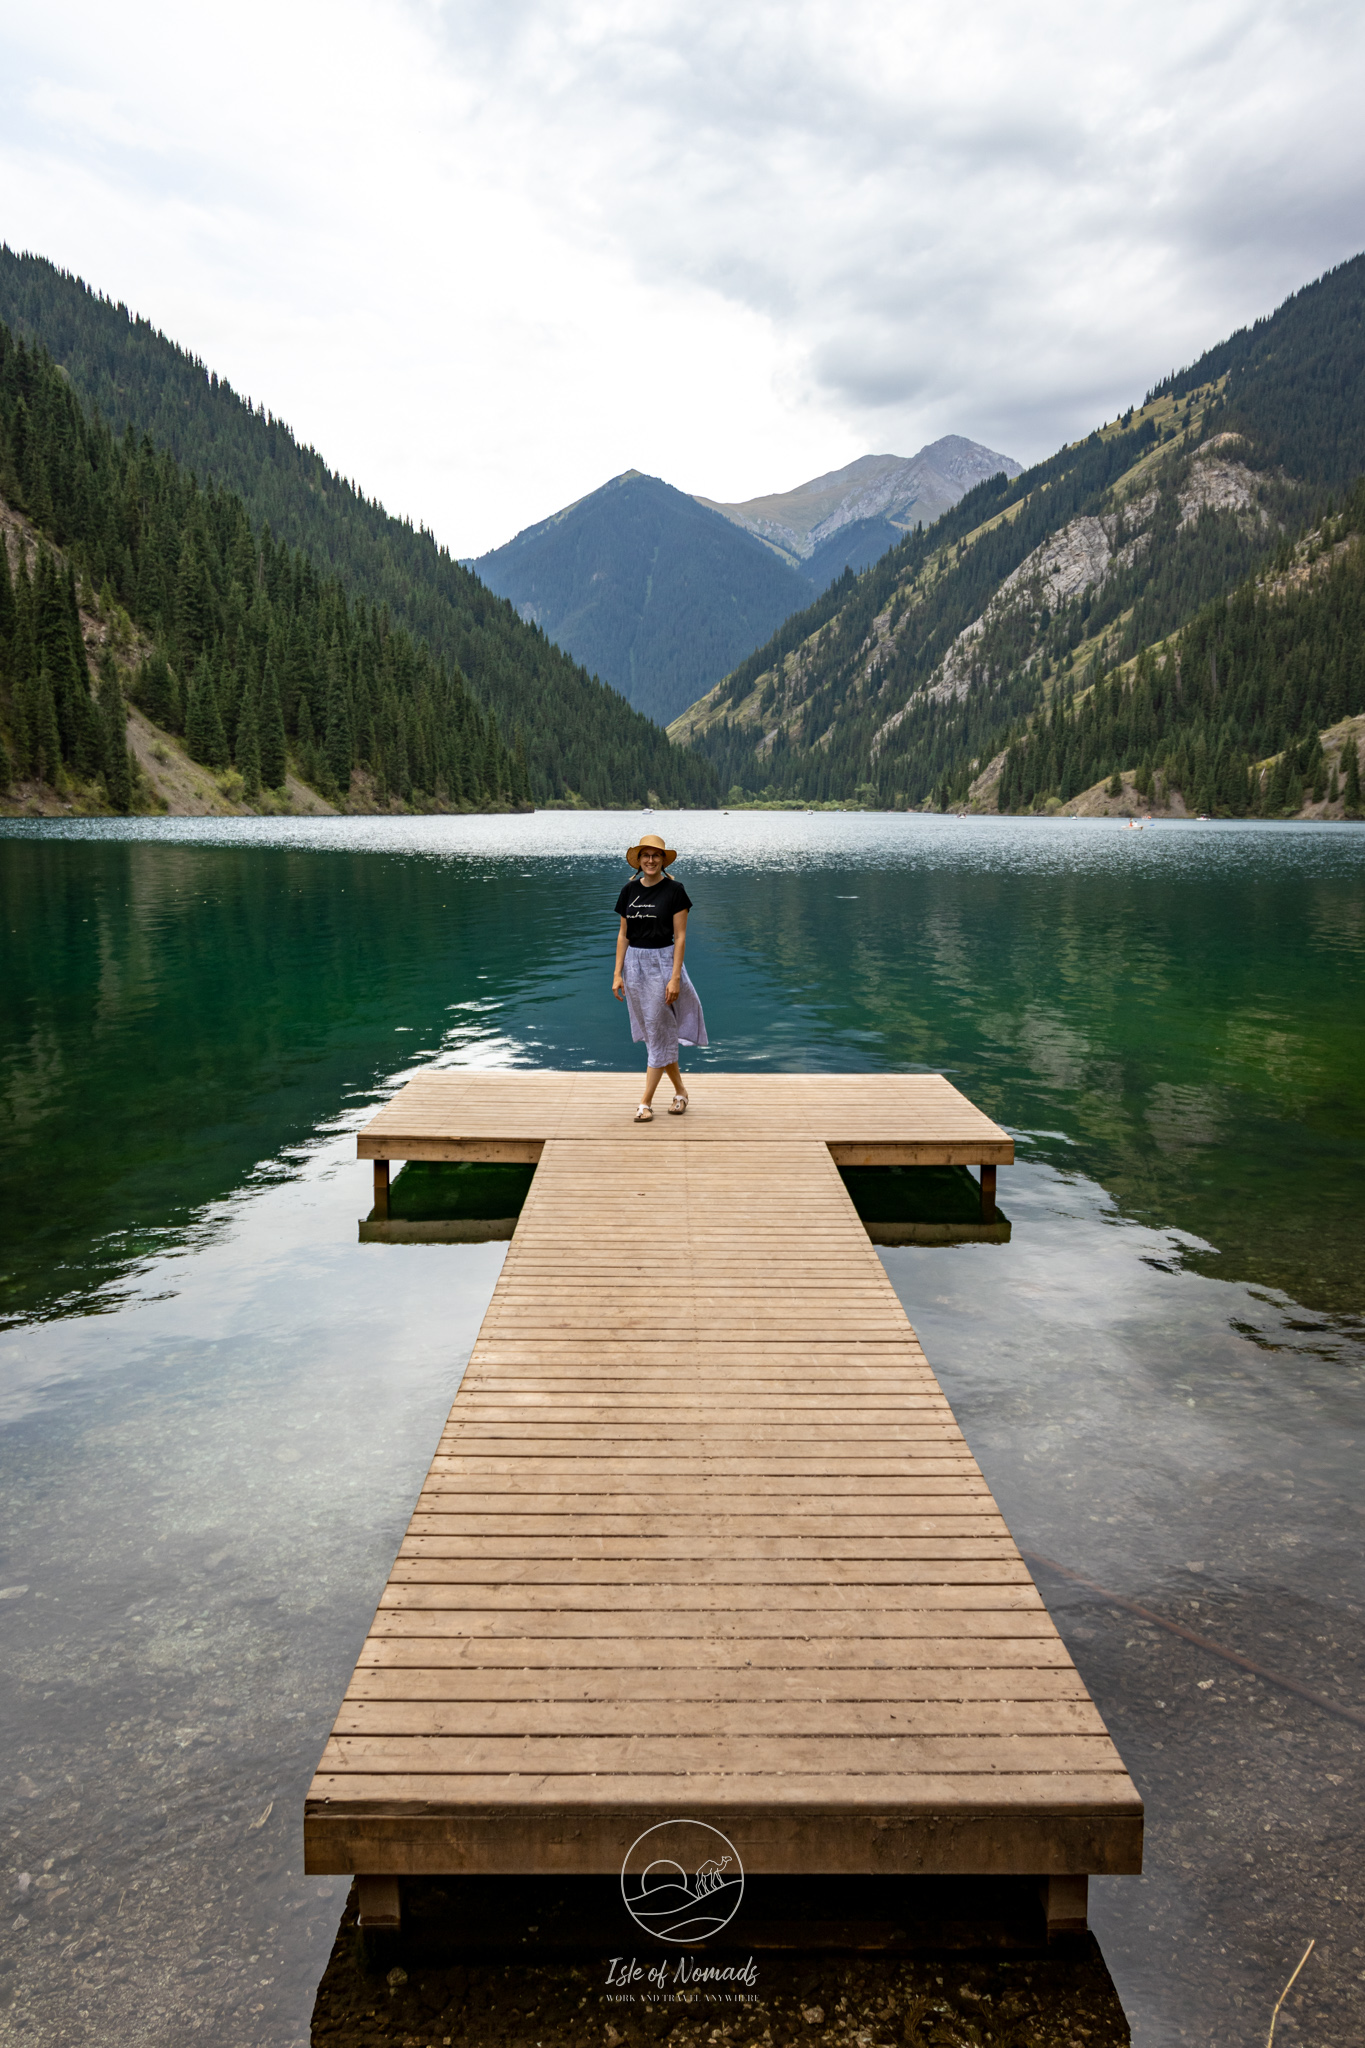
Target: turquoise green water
{"x": 1175, "y": 1012}
{"x": 215, "y": 1407}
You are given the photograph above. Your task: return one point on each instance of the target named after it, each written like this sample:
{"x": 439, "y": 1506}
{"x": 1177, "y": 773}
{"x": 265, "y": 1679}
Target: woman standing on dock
{"x": 650, "y": 977}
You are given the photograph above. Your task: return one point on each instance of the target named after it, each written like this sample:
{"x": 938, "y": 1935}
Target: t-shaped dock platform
{"x": 702, "y": 1538}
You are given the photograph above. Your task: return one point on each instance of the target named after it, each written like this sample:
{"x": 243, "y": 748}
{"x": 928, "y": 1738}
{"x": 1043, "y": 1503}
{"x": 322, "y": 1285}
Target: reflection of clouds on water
{"x": 1058, "y": 1053}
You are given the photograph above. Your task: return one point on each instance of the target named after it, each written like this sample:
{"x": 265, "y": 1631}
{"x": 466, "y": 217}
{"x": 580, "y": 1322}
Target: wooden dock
{"x": 702, "y": 1538}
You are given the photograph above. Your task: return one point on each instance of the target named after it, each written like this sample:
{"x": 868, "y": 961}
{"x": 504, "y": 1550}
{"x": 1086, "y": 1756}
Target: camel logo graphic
{"x": 682, "y": 1881}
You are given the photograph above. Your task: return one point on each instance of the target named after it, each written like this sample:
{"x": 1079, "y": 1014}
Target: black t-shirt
{"x": 649, "y": 912}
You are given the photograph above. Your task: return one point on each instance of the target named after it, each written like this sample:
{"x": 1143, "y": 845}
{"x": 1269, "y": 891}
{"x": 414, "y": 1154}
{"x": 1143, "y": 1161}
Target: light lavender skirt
{"x": 652, "y": 1022}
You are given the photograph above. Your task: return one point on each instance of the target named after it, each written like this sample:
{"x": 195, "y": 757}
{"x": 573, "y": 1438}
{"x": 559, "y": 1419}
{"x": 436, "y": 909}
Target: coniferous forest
{"x": 149, "y": 471}
{"x": 250, "y": 648}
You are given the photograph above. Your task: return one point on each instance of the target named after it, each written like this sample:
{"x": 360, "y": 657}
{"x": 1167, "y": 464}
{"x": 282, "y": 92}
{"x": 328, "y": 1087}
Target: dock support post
{"x": 378, "y": 1904}
{"x": 1066, "y": 1902}
{"x": 381, "y": 1190}
{"x": 988, "y": 1194}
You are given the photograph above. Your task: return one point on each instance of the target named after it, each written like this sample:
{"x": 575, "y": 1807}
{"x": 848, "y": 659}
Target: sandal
{"x": 644, "y": 1114}
{"x": 678, "y": 1105}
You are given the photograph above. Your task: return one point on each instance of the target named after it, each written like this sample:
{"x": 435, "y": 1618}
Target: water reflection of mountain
{"x": 1179, "y": 1027}
{"x": 673, "y": 1913}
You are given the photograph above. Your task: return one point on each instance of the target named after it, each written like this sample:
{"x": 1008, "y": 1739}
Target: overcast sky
{"x": 485, "y": 254}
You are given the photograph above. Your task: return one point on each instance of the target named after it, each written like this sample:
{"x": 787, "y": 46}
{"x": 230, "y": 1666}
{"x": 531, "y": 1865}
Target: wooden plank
{"x": 495, "y": 1151}
{"x": 1023, "y": 1650}
{"x": 723, "y": 1721}
{"x": 978, "y": 1621}
{"x": 768, "y": 1560}
{"x": 617, "y": 1685}
{"x": 663, "y": 1605}
{"x": 449, "y": 1565}
{"x": 734, "y": 1754}
{"x": 725, "y": 1553}
{"x": 871, "y": 1792}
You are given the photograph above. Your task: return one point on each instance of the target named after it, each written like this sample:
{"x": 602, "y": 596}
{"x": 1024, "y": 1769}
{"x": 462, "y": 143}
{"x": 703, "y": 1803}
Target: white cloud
{"x": 486, "y": 255}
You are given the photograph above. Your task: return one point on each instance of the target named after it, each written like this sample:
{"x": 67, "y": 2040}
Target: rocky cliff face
{"x": 905, "y": 490}
{"x": 1084, "y": 555}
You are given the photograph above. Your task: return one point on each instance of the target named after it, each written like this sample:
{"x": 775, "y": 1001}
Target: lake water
{"x": 216, "y": 1407}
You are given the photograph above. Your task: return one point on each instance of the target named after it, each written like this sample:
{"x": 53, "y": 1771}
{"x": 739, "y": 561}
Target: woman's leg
{"x": 653, "y": 1076}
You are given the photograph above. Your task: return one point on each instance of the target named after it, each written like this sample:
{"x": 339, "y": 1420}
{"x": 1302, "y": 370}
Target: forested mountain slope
{"x": 579, "y": 735}
{"x": 250, "y": 652}
{"x": 898, "y": 687}
{"x": 647, "y": 588}
{"x": 1247, "y": 711}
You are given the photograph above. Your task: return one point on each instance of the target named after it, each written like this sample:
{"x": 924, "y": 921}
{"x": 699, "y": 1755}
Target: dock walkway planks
{"x": 702, "y": 1538}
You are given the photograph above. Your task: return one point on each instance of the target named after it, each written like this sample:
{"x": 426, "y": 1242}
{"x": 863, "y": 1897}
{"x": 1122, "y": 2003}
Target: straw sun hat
{"x": 651, "y": 839}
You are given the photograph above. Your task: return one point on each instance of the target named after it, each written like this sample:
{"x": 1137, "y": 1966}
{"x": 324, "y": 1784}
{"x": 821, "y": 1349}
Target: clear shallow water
{"x": 217, "y": 1407}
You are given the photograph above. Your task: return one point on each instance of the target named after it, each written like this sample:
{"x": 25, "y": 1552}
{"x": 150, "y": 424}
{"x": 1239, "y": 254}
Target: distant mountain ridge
{"x": 647, "y": 588}
{"x": 661, "y": 594}
{"x": 901, "y": 491}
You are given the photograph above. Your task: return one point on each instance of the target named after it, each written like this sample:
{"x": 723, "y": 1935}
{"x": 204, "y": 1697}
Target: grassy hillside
{"x": 648, "y": 589}
{"x": 578, "y": 735}
{"x": 900, "y": 687}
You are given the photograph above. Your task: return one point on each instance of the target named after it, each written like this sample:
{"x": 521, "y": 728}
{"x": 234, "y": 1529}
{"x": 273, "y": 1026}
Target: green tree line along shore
{"x": 430, "y": 655}
{"x": 1191, "y": 660}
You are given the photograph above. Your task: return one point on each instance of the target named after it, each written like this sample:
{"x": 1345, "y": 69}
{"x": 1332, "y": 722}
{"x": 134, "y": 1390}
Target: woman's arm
{"x": 618, "y": 980}
{"x": 674, "y": 989}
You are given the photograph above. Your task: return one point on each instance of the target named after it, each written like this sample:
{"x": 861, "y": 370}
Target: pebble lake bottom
{"x": 216, "y": 1406}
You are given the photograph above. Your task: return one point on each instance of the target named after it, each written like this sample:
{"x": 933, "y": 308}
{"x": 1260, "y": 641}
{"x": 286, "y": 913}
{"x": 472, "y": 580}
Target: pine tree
{"x": 9, "y": 612}
{"x": 400, "y": 771}
{"x": 196, "y": 711}
{"x": 204, "y": 735}
{"x": 90, "y": 752}
{"x": 191, "y": 597}
{"x": 521, "y": 780}
{"x": 23, "y": 721}
{"x": 118, "y": 777}
{"x": 249, "y": 747}
{"x": 338, "y": 741}
{"x": 47, "y": 739}
{"x": 1351, "y": 784}
{"x": 273, "y": 744}
{"x": 232, "y": 687}
{"x": 1277, "y": 789}
{"x": 308, "y": 766}
{"x": 159, "y": 693}
{"x": 298, "y": 683}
